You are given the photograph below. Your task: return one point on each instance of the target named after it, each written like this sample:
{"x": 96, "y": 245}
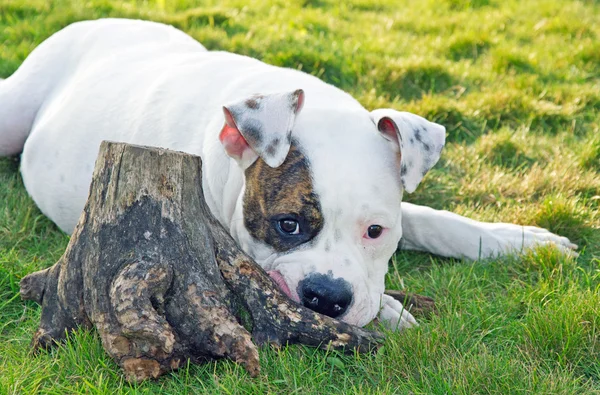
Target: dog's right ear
{"x": 418, "y": 141}
{"x": 261, "y": 125}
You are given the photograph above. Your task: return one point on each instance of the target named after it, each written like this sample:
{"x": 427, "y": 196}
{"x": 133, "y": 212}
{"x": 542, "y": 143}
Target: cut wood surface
{"x": 162, "y": 281}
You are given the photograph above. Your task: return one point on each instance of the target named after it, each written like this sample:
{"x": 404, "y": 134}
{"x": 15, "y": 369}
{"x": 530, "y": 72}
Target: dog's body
{"x": 310, "y": 188}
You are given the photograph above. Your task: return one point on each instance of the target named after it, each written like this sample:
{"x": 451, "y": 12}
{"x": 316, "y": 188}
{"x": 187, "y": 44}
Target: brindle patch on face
{"x": 279, "y": 193}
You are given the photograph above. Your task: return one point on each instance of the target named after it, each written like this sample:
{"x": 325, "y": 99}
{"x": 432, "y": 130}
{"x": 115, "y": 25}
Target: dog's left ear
{"x": 261, "y": 126}
{"x": 419, "y": 141}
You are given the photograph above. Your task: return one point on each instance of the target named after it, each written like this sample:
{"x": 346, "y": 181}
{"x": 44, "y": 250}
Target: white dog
{"x": 306, "y": 180}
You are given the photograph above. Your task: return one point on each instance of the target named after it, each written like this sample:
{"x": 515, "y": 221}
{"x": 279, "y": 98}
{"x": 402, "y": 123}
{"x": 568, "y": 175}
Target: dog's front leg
{"x": 447, "y": 234}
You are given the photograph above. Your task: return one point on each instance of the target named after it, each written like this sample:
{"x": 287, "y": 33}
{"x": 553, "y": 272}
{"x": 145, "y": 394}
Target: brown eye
{"x": 289, "y": 226}
{"x": 374, "y": 231}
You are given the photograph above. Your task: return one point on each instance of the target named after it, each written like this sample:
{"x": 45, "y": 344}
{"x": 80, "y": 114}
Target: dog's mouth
{"x": 278, "y": 278}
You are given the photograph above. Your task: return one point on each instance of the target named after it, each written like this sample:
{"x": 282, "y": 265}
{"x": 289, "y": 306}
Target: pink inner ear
{"x": 235, "y": 145}
{"x": 300, "y": 104}
{"x": 229, "y": 118}
{"x": 388, "y": 128}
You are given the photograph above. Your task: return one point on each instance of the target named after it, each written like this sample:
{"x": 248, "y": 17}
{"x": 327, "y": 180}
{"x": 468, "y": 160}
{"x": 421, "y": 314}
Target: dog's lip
{"x": 278, "y": 278}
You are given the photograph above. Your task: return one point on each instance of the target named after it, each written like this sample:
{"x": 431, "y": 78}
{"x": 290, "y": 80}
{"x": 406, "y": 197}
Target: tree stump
{"x": 162, "y": 281}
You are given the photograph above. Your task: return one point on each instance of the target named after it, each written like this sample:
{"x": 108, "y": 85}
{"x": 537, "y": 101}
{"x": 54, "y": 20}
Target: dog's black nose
{"x": 324, "y": 294}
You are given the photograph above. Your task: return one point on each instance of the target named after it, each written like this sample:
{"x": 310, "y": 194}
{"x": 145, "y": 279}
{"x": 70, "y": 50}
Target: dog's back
{"x": 23, "y": 94}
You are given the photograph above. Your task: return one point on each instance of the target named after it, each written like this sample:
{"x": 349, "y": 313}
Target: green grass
{"x": 516, "y": 83}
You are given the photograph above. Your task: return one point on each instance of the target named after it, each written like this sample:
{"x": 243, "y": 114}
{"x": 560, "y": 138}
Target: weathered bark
{"x": 162, "y": 281}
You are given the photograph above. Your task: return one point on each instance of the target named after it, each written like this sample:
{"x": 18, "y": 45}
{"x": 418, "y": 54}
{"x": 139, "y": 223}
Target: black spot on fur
{"x": 271, "y": 149}
{"x": 253, "y": 103}
{"x": 403, "y": 170}
{"x": 252, "y": 130}
{"x": 294, "y": 100}
{"x": 418, "y": 135}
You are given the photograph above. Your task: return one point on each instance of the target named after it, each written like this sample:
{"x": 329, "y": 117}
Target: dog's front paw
{"x": 516, "y": 238}
{"x": 394, "y": 316}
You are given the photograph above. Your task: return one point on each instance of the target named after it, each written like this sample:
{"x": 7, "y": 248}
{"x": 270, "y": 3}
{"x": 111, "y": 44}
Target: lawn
{"x": 517, "y": 85}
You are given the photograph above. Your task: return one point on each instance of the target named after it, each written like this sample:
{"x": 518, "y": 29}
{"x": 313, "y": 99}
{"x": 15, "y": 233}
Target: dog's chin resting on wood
{"x": 304, "y": 178}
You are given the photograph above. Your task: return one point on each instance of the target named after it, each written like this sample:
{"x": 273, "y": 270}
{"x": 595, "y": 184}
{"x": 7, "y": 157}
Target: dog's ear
{"x": 419, "y": 142}
{"x": 261, "y": 125}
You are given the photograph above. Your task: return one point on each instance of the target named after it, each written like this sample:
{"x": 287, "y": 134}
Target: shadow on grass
{"x": 19, "y": 11}
{"x": 327, "y": 67}
{"x": 499, "y": 149}
{"x": 460, "y": 5}
{"x": 199, "y": 17}
{"x": 9, "y": 165}
{"x": 412, "y": 82}
{"x": 467, "y": 48}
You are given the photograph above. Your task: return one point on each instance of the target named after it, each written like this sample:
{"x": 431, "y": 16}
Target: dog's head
{"x": 320, "y": 210}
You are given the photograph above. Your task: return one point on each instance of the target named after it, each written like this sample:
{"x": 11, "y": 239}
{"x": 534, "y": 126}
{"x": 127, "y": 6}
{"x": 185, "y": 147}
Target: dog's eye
{"x": 374, "y": 231}
{"x": 289, "y": 226}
